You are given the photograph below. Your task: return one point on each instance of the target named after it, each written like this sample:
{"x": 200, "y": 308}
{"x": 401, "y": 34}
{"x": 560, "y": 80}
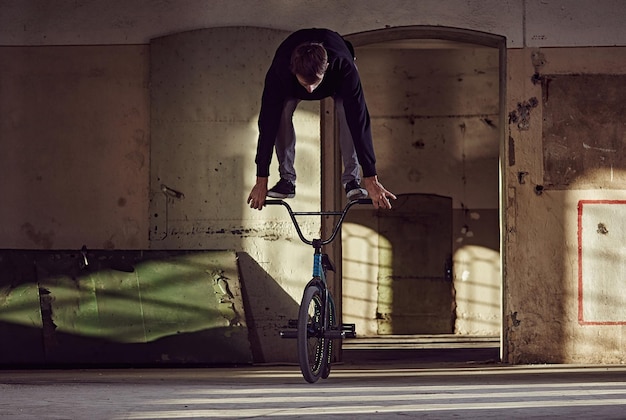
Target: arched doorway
{"x": 436, "y": 98}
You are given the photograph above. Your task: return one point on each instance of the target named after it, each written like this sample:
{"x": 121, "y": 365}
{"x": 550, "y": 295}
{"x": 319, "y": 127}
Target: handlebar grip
{"x": 274, "y": 202}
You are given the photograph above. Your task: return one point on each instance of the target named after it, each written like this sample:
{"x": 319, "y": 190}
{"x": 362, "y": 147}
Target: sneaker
{"x": 282, "y": 189}
{"x": 354, "y": 191}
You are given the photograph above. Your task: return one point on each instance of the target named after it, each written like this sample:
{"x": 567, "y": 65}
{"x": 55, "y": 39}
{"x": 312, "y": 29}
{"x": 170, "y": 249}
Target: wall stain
{"x": 415, "y": 175}
{"x": 602, "y": 230}
{"x": 521, "y": 115}
{"x": 419, "y": 144}
{"x": 137, "y": 158}
{"x": 43, "y": 239}
{"x": 489, "y": 122}
{"x": 514, "y": 321}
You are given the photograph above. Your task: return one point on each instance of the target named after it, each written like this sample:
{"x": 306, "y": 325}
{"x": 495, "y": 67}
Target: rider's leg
{"x": 286, "y": 142}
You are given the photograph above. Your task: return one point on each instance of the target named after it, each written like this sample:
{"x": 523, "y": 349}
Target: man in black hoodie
{"x": 312, "y": 64}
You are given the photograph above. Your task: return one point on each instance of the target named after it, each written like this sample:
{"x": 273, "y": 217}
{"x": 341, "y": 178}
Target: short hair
{"x": 309, "y": 61}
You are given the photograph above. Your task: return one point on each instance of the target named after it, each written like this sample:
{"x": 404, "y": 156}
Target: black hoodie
{"x": 341, "y": 80}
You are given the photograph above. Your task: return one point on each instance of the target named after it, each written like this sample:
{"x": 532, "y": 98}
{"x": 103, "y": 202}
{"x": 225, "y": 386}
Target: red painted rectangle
{"x": 581, "y": 289}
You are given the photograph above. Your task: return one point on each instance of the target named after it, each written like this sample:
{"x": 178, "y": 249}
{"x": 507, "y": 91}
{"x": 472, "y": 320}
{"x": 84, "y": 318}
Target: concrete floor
{"x": 380, "y": 389}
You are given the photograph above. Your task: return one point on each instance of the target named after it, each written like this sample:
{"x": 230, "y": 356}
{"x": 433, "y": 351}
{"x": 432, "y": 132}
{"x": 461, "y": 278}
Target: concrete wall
{"x": 563, "y": 283}
{"x": 75, "y": 141}
{"x": 74, "y": 135}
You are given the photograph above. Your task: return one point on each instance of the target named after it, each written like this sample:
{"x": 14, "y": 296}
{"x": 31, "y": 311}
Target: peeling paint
{"x": 521, "y": 115}
{"x": 521, "y": 177}
{"x": 511, "y": 151}
{"x": 226, "y": 304}
{"x": 514, "y": 321}
{"x": 48, "y": 326}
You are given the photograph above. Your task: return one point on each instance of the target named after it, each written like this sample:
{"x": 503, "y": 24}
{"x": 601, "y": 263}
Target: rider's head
{"x": 309, "y": 62}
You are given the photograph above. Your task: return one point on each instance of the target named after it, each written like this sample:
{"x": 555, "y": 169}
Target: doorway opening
{"x": 436, "y": 102}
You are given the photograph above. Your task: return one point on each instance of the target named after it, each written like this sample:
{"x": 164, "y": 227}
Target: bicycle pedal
{"x": 288, "y": 334}
{"x": 349, "y": 330}
{"x": 335, "y": 334}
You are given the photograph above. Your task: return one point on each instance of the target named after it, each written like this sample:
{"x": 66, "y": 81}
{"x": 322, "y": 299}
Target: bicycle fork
{"x": 321, "y": 263}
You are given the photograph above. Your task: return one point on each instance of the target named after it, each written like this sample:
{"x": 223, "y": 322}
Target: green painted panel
{"x": 159, "y": 307}
{"x": 20, "y": 305}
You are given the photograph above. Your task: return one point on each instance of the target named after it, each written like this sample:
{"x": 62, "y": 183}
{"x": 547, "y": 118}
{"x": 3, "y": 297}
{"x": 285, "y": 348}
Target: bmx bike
{"x": 317, "y": 325}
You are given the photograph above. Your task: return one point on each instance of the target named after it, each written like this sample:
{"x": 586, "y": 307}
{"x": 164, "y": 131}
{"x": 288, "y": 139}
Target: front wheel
{"x": 312, "y": 349}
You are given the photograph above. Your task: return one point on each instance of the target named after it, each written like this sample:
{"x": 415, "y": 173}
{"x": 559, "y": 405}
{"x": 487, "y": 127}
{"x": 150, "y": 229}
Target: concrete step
{"x": 422, "y": 349}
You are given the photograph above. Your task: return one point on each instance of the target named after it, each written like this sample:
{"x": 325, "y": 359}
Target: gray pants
{"x": 286, "y": 144}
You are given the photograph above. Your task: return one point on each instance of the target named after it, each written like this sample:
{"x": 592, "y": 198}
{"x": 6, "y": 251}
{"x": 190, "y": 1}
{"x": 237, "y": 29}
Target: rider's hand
{"x": 379, "y": 195}
{"x": 256, "y": 199}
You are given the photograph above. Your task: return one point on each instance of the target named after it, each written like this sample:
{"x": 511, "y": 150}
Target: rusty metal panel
{"x": 583, "y": 131}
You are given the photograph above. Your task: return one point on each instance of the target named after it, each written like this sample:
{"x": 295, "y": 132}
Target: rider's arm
{"x": 272, "y": 102}
{"x": 357, "y": 116}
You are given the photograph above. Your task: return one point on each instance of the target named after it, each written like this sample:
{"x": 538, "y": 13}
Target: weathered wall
{"x": 58, "y": 100}
{"x": 75, "y": 147}
{"x": 555, "y": 306}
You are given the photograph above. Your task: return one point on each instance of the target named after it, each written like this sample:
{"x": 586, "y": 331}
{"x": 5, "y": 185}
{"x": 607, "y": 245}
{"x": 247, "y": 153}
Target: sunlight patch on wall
{"x": 278, "y": 232}
{"x": 361, "y": 262}
{"x": 477, "y": 286}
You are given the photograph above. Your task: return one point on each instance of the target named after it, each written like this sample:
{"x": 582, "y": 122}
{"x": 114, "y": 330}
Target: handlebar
{"x": 341, "y": 213}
